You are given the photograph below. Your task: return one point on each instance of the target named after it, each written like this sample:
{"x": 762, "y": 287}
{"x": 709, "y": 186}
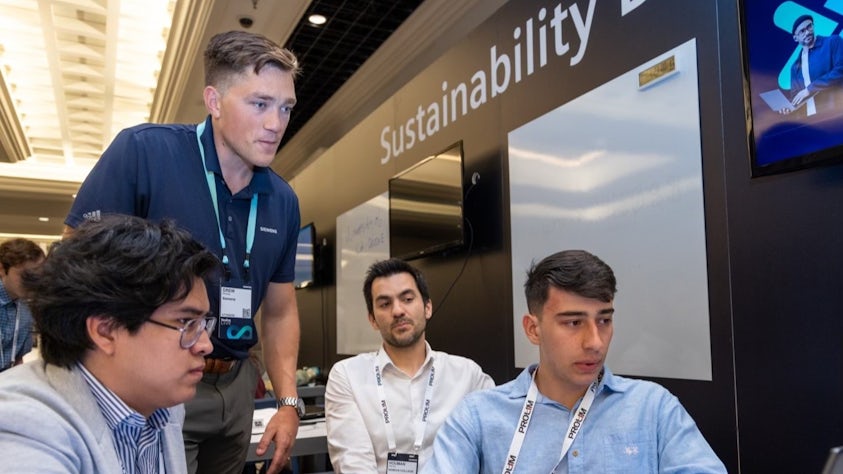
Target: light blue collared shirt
{"x": 633, "y": 426}
{"x": 137, "y": 439}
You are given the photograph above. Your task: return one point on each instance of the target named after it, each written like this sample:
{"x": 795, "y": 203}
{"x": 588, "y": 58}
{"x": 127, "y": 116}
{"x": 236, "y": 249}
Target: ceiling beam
{"x": 52, "y": 55}
{"x": 14, "y": 146}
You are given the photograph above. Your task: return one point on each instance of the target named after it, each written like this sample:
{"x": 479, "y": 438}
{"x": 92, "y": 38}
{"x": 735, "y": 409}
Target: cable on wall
{"x": 475, "y": 178}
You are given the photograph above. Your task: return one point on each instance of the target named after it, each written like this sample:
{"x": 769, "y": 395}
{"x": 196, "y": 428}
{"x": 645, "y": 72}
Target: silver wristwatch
{"x": 294, "y": 402}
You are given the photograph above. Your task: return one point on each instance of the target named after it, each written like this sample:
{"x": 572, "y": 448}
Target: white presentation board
{"x": 362, "y": 239}
{"x": 618, "y": 172}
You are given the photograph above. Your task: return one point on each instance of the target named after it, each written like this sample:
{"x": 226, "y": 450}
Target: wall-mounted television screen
{"x": 306, "y": 257}
{"x": 793, "y": 66}
{"x": 426, "y": 206}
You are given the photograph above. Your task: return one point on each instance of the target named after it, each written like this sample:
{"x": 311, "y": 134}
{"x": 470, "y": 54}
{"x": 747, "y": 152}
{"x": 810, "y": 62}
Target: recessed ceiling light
{"x": 317, "y": 19}
{"x": 44, "y": 219}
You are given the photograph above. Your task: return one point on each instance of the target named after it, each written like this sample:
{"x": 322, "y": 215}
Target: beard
{"x": 406, "y": 338}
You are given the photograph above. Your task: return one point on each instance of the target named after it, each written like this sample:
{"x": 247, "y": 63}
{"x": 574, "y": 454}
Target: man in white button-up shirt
{"x": 383, "y": 408}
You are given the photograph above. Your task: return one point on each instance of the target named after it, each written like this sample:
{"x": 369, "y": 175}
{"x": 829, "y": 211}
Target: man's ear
{"x": 531, "y": 328}
{"x": 373, "y": 323}
{"x": 428, "y": 309}
{"x": 212, "y": 101}
{"x": 102, "y": 332}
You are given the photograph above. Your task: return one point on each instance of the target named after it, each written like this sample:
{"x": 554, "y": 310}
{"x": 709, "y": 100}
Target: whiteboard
{"x": 362, "y": 239}
{"x": 618, "y": 172}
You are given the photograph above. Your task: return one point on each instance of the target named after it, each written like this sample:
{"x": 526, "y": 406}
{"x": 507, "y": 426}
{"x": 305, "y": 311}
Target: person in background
{"x": 16, "y": 256}
{"x": 569, "y": 413}
{"x": 383, "y": 408}
{"x": 122, "y": 310}
{"x": 213, "y": 179}
{"x": 816, "y": 77}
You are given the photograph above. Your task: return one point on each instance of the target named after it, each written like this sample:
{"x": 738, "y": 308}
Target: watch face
{"x": 300, "y": 407}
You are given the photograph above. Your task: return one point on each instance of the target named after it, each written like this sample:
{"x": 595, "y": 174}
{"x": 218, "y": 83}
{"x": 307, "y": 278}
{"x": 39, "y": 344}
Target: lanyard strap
{"x": 212, "y": 188}
{"x": 527, "y": 415}
{"x": 14, "y": 340}
{"x": 421, "y": 423}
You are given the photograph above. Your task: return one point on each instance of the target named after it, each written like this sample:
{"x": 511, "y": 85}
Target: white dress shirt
{"x": 811, "y": 106}
{"x": 357, "y": 441}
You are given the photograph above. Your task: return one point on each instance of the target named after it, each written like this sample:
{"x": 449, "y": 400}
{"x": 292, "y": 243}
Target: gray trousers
{"x": 218, "y": 421}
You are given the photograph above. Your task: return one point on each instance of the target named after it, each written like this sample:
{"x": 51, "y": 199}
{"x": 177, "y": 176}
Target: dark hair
{"x": 393, "y": 266}
{"x": 233, "y": 52}
{"x": 799, "y": 21}
{"x": 19, "y": 251}
{"x": 122, "y": 268}
{"x": 576, "y": 271}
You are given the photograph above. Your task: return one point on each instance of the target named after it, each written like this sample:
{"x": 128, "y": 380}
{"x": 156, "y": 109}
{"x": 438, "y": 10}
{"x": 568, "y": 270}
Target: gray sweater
{"x": 50, "y": 423}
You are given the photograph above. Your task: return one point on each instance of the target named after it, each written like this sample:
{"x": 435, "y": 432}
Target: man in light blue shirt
{"x": 569, "y": 413}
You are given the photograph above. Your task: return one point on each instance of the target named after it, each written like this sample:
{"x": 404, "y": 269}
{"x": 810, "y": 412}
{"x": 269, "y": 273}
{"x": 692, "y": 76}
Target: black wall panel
{"x": 774, "y": 244}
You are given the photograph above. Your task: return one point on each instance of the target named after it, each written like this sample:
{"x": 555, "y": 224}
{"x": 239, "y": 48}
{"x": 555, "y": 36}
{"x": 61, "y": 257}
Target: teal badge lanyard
{"x": 253, "y": 210}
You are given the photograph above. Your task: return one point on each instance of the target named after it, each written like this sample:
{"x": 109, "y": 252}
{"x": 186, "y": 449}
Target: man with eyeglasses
{"x": 123, "y": 314}
{"x": 816, "y": 76}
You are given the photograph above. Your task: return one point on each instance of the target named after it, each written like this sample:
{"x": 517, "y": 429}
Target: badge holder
{"x": 235, "y": 318}
{"x": 402, "y": 463}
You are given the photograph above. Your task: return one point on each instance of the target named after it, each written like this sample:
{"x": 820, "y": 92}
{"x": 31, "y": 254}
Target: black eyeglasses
{"x": 192, "y": 330}
{"x": 804, "y": 30}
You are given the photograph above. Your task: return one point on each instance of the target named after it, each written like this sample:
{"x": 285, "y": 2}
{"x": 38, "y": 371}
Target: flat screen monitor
{"x": 426, "y": 206}
{"x": 305, "y": 257}
{"x": 783, "y": 136}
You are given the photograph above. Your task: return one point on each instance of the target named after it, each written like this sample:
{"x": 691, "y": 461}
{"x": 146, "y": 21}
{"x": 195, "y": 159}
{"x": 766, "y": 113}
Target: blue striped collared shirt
{"x": 15, "y": 327}
{"x": 137, "y": 440}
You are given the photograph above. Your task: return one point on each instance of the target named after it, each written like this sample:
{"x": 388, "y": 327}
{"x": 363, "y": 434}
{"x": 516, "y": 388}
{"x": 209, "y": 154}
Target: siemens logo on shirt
{"x": 268, "y": 230}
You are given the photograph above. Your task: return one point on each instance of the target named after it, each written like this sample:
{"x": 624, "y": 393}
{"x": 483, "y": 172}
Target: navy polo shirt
{"x": 155, "y": 171}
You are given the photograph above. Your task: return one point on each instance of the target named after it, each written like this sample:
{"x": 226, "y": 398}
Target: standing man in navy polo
{"x": 214, "y": 180}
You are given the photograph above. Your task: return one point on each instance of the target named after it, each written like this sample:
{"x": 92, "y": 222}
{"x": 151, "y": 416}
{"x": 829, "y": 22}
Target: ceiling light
{"x": 317, "y": 19}
{"x": 44, "y": 219}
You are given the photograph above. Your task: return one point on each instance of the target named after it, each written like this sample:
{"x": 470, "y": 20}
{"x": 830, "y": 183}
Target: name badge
{"x": 402, "y": 463}
{"x": 235, "y": 318}
{"x": 235, "y": 302}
